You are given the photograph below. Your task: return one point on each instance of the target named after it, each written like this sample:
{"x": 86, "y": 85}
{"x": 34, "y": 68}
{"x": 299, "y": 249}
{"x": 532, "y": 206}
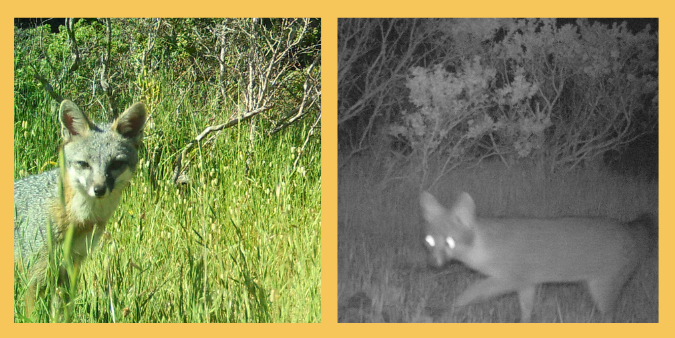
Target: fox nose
{"x": 99, "y": 190}
{"x": 435, "y": 261}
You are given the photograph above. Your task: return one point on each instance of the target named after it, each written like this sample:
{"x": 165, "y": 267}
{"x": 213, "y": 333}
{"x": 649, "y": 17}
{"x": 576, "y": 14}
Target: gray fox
{"x": 97, "y": 163}
{"x": 518, "y": 254}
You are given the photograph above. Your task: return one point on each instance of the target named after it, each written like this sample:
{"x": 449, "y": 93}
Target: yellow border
{"x": 329, "y": 12}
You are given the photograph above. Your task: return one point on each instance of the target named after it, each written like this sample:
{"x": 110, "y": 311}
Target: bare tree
{"x": 374, "y": 57}
{"x": 261, "y": 60}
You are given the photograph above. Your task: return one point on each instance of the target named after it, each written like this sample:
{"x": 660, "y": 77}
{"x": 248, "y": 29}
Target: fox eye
{"x": 82, "y": 164}
{"x": 451, "y": 242}
{"x": 430, "y": 240}
{"x": 114, "y": 165}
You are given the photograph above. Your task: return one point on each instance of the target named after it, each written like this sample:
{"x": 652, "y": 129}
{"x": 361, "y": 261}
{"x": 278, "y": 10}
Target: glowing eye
{"x": 451, "y": 242}
{"x": 430, "y": 240}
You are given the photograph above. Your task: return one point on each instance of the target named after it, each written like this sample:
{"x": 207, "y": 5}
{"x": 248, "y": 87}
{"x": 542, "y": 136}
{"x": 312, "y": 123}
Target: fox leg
{"x": 485, "y": 289}
{"x": 605, "y": 292}
{"x": 526, "y": 297}
{"x": 30, "y": 299}
{"x": 29, "y": 294}
{"x": 36, "y": 284}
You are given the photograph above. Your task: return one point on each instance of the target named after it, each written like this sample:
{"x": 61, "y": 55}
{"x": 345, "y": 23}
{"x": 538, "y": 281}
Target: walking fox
{"x": 98, "y": 162}
{"x": 518, "y": 254}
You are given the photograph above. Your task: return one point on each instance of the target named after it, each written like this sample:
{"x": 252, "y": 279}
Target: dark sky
{"x": 634, "y": 24}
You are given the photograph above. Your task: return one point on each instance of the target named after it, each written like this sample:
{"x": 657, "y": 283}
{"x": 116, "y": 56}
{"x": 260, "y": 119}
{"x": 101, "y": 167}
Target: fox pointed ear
{"x": 431, "y": 209}
{"x": 465, "y": 210}
{"x": 130, "y": 123}
{"x": 73, "y": 121}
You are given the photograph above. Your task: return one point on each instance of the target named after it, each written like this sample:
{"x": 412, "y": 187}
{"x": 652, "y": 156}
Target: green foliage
{"x": 452, "y": 115}
{"x": 529, "y": 90}
{"x": 239, "y": 241}
{"x": 446, "y": 103}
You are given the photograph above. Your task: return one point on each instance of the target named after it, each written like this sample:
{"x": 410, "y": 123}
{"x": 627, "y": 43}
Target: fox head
{"x": 100, "y": 159}
{"x": 449, "y": 233}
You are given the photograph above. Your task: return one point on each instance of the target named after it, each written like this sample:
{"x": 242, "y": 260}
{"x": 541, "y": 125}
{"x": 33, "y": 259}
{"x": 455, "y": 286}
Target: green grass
{"x": 382, "y": 271}
{"x": 225, "y": 247}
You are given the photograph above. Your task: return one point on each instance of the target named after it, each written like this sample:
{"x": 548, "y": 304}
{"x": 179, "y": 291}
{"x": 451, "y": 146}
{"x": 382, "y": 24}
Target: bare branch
{"x": 309, "y": 87}
{"x": 178, "y": 168}
{"x": 304, "y": 144}
{"x": 48, "y": 87}
{"x": 105, "y": 65}
{"x": 73, "y": 43}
